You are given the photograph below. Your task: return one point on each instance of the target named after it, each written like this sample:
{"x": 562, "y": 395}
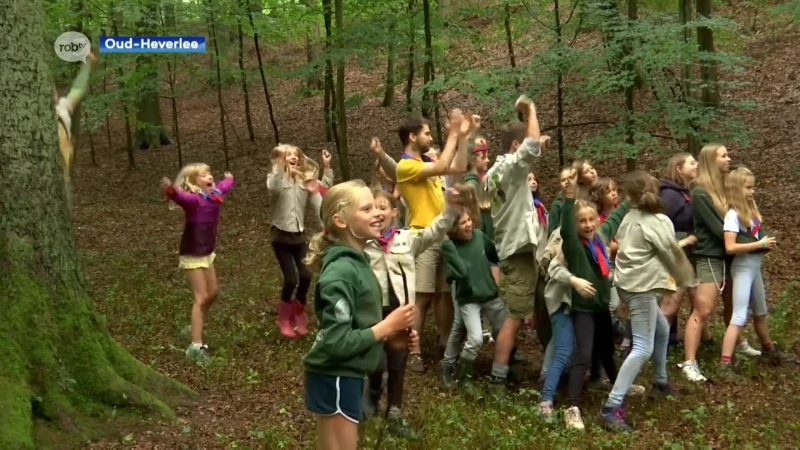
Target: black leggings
{"x": 290, "y": 256}
{"x": 592, "y": 334}
{"x": 396, "y": 367}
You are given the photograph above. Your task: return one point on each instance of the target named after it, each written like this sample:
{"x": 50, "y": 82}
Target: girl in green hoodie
{"x": 348, "y": 306}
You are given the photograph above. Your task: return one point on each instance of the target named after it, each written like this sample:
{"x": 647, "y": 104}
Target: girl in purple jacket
{"x": 201, "y": 198}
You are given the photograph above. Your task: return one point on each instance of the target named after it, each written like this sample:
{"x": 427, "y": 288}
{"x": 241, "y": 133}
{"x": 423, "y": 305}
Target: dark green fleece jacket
{"x": 347, "y": 303}
{"x": 579, "y": 258}
{"x": 554, "y": 217}
{"x": 469, "y": 266}
{"x": 487, "y": 224}
{"x": 708, "y": 224}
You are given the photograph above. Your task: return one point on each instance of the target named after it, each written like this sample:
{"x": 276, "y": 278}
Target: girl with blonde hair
{"x": 748, "y": 241}
{"x": 201, "y": 198}
{"x": 292, "y": 185}
{"x": 348, "y": 306}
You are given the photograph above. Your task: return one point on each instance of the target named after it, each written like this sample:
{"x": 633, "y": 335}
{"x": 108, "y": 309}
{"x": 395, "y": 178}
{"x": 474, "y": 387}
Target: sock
{"x": 768, "y": 346}
{"x": 625, "y": 343}
{"x": 725, "y": 359}
{"x": 197, "y": 344}
{"x": 500, "y": 370}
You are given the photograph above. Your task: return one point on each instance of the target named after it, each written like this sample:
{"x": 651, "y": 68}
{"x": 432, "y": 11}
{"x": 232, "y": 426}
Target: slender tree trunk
{"x": 150, "y": 131}
{"x": 412, "y": 34}
{"x": 341, "y": 112}
{"x": 630, "y": 159}
{"x": 261, "y": 70}
{"x": 59, "y": 364}
{"x": 559, "y": 85}
{"x": 105, "y": 93}
{"x": 125, "y": 110}
{"x": 331, "y": 131}
{"x": 173, "y": 95}
{"x": 91, "y": 141}
{"x": 243, "y": 72}
{"x": 427, "y": 68}
{"x": 215, "y": 40}
{"x": 388, "y": 93}
{"x": 314, "y": 80}
{"x": 510, "y": 44}
{"x": 708, "y": 69}
{"x": 685, "y": 16}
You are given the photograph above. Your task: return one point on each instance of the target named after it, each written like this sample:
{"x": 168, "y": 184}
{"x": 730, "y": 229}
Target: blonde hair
{"x": 583, "y": 190}
{"x": 709, "y": 177}
{"x": 307, "y": 166}
{"x": 484, "y": 197}
{"x": 186, "y": 179}
{"x": 338, "y": 200}
{"x": 745, "y": 207}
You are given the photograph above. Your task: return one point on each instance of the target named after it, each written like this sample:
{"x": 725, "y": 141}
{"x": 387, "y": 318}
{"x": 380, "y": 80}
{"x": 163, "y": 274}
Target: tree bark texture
{"x": 341, "y": 111}
{"x": 272, "y": 121}
{"x": 708, "y": 69}
{"x": 243, "y": 73}
{"x": 58, "y": 359}
{"x": 150, "y": 130}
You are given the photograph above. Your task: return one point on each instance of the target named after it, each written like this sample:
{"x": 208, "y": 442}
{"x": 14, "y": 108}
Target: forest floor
{"x": 252, "y": 394}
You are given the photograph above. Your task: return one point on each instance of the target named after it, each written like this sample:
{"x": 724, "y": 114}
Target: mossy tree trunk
{"x": 58, "y": 361}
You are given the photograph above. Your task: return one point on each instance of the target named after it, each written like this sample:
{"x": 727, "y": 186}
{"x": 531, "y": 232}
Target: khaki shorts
{"x": 521, "y": 274}
{"x": 430, "y": 271}
{"x": 196, "y": 262}
{"x": 712, "y": 270}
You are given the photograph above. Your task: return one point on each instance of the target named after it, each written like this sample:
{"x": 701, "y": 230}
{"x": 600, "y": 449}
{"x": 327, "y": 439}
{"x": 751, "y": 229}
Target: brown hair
{"x": 379, "y": 192}
{"x": 642, "y": 190}
{"x": 469, "y": 198}
{"x": 710, "y": 178}
{"x": 599, "y": 189}
{"x": 412, "y": 125}
{"x": 672, "y": 172}
{"x": 512, "y": 131}
{"x": 583, "y": 190}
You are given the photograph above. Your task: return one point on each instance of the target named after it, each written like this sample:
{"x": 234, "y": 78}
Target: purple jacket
{"x": 677, "y": 207}
{"x": 202, "y": 217}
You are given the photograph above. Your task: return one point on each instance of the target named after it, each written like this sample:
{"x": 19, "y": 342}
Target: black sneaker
{"x": 447, "y": 377}
{"x": 661, "y": 391}
{"x": 614, "y": 419}
{"x": 776, "y": 356}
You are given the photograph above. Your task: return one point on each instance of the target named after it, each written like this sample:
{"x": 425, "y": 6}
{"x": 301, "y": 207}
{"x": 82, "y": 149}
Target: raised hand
{"x": 452, "y": 196}
{"x": 456, "y": 118}
{"x": 523, "y": 104}
{"x": 544, "y": 142}
{"x": 228, "y": 175}
{"x": 164, "y": 185}
{"x": 572, "y": 183}
{"x": 326, "y": 158}
{"x": 375, "y": 147}
{"x": 466, "y": 124}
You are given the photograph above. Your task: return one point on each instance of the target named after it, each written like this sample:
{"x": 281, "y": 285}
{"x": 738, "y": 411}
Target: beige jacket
{"x": 397, "y": 263}
{"x": 649, "y": 258}
{"x": 288, "y": 199}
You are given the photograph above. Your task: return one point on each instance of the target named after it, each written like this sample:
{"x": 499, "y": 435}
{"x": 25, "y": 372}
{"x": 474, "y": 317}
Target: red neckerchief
{"x": 322, "y": 190}
{"x": 215, "y": 195}
{"x": 756, "y": 227}
{"x": 385, "y": 238}
{"x": 686, "y": 197}
{"x": 598, "y": 251}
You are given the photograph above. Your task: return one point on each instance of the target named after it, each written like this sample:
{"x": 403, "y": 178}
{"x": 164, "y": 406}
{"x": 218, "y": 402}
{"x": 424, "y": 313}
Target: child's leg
{"x": 212, "y": 289}
{"x": 495, "y": 311}
{"x": 743, "y": 278}
{"x": 471, "y": 315}
{"x": 584, "y": 345}
{"x": 283, "y": 253}
{"x": 199, "y": 286}
{"x": 564, "y": 338}
{"x": 298, "y": 252}
{"x": 661, "y": 343}
{"x": 337, "y": 403}
{"x": 544, "y": 330}
{"x": 396, "y": 363}
{"x": 336, "y": 433}
{"x": 454, "y": 340}
{"x": 758, "y": 303}
{"x": 604, "y": 344}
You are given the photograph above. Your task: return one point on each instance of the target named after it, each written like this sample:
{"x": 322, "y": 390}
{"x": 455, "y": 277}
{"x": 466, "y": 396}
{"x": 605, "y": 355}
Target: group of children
{"x": 466, "y": 226}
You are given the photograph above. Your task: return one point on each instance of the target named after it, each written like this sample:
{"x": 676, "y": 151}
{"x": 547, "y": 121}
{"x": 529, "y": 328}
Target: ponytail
{"x": 642, "y": 190}
{"x": 316, "y": 247}
{"x": 650, "y": 202}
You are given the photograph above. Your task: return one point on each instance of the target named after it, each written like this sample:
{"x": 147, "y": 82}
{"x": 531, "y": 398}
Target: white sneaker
{"x": 745, "y": 349}
{"x": 487, "y": 332}
{"x": 691, "y": 371}
{"x": 572, "y": 417}
{"x": 636, "y": 390}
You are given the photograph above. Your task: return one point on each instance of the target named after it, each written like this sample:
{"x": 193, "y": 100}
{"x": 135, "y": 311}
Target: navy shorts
{"x": 328, "y": 395}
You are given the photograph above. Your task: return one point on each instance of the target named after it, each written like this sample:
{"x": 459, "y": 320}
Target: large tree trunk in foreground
{"x": 59, "y": 365}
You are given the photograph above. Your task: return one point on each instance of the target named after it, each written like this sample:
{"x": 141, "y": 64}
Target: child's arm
{"x": 315, "y": 200}
{"x": 435, "y": 232}
{"x": 274, "y": 178}
{"x": 226, "y": 184}
{"x": 179, "y": 196}
{"x": 457, "y": 270}
{"x": 489, "y": 248}
{"x": 671, "y": 255}
{"x": 387, "y": 163}
{"x": 327, "y": 173}
{"x": 608, "y": 229}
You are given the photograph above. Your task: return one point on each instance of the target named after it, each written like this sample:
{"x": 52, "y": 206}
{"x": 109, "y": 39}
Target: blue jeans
{"x": 564, "y": 339}
{"x": 650, "y": 339}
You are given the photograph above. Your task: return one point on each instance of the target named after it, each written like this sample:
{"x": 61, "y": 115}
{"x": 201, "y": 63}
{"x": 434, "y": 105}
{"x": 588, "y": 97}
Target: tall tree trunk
{"x": 685, "y": 16}
{"x": 331, "y": 132}
{"x": 412, "y": 35}
{"x": 559, "y": 83}
{"x": 430, "y": 97}
{"x": 215, "y": 40}
{"x": 510, "y": 43}
{"x": 341, "y": 111}
{"x": 91, "y": 142}
{"x": 261, "y": 70}
{"x": 708, "y": 69}
{"x": 59, "y": 364}
{"x": 388, "y": 93}
{"x": 314, "y": 80}
{"x": 630, "y": 160}
{"x": 243, "y": 73}
{"x": 122, "y": 88}
{"x": 150, "y": 131}
{"x": 171, "y": 67}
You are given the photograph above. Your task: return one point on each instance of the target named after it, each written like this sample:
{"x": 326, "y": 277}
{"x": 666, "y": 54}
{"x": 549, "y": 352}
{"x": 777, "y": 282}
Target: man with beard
{"x": 419, "y": 179}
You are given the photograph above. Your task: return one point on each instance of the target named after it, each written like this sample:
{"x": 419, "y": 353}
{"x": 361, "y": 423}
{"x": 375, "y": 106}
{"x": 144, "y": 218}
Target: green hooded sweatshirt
{"x": 487, "y": 224}
{"x": 347, "y": 303}
{"x": 579, "y": 258}
{"x": 708, "y": 224}
{"x": 469, "y": 265}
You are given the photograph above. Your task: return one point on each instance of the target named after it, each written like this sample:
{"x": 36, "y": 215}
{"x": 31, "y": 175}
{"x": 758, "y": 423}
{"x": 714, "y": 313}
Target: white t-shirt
{"x": 732, "y": 223}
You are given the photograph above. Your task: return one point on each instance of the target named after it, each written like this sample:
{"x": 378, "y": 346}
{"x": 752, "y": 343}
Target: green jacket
{"x": 469, "y": 267}
{"x": 487, "y": 224}
{"x": 579, "y": 258}
{"x": 554, "y": 217}
{"x": 347, "y": 303}
{"x": 708, "y": 223}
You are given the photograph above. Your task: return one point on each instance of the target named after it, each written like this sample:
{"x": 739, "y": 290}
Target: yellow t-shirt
{"x": 423, "y": 196}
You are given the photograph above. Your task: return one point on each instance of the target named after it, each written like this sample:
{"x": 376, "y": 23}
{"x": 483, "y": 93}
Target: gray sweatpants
{"x": 469, "y": 316}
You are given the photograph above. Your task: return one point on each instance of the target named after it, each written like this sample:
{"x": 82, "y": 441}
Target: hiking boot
{"x": 615, "y": 419}
{"x": 497, "y": 390}
{"x": 447, "y": 377}
{"x": 662, "y": 391}
{"x": 573, "y": 420}
{"x": 465, "y": 373}
{"x": 726, "y": 372}
{"x": 691, "y": 371}
{"x": 745, "y": 349}
{"x": 415, "y": 363}
{"x": 369, "y": 403}
{"x": 299, "y": 316}
{"x": 197, "y": 353}
{"x": 774, "y": 355}
{"x": 285, "y": 320}
{"x": 398, "y": 425}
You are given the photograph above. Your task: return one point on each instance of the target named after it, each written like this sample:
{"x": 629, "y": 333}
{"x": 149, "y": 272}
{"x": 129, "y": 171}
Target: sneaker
{"x": 615, "y": 419}
{"x": 546, "y": 409}
{"x": 636, "y": 390}
{"x": 691, "y": 371}
{"x": 447, "y": 377}
{"x": 726, "y": 372}
{"x": 487, "y": 332}
{"x": 776, "y": 356}
{"x": 662, "y": 391}
{"x": 745, "y": 349}
{"x": 572, "y": 417}
{"x": 198, "y": 353}
{"x": 497, "y": 391}
{"x": 415, "y": 364}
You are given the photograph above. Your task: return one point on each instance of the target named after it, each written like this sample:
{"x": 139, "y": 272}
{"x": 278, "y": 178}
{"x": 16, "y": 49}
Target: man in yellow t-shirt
{"x": 419, "y": 180}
